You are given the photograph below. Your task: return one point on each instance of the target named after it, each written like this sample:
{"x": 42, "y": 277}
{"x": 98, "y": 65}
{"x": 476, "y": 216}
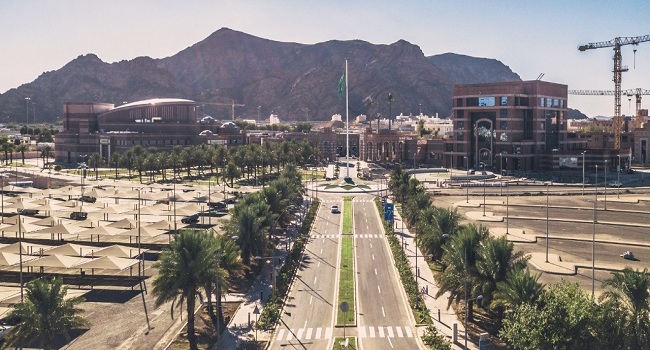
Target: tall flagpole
{"x": 347, "y": 125}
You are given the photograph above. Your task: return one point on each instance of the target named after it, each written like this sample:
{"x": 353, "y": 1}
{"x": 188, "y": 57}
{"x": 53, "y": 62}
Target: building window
{"x": 461, "y": 136}
{"x": 504, "y": 100}
{"x": 460, "y": 114}
{"x": 486, "y": 101}
{"x": 460, "y": 125}
{"x": 556, "y": 103}
{"x": 472, "y": 102}
{"x": 503, "y": 125}
{"x": 522, "y": 101}
{"x": 460, "y": 147}
{"x": 503, "y": 113}
{"x": 459, "y": 102}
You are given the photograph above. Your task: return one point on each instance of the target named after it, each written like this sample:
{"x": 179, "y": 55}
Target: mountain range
{"x": 294, "y": 81}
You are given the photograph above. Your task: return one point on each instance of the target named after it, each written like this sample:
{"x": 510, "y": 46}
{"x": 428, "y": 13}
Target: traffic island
{"x": 339, "y": 343}
{"x": 346, "y": 283}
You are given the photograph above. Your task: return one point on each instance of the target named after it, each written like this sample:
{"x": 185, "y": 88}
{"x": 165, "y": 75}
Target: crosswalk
{"x": 355, "y": 200}
{"x": 334, "y": 236}
{"x": 285, "y": 334}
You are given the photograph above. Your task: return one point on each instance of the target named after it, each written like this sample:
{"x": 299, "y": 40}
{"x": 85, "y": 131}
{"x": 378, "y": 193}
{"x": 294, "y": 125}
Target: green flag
{"x": 341, "y": 87}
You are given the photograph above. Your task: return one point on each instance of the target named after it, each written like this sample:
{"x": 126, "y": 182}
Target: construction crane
{"x": 616, "y": 43}
{"x": 637, "y": 93}
{"x": 232, "y": 106}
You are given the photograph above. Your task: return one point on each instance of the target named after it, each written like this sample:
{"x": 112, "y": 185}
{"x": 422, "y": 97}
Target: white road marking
{"x": 328, "y": 332}
{"x": 399, "y": 331}
{"x": 383, "y": 312}
{"x": 318, "y": 264}
{"x": 371, "y": 330}
{"x": 311, "y": 298}
{"x": 289, "y": 336}
{"x": 375, "y": 272}
{"x": 370, "y": 245}
{"x": 318, "y": 330}
{"x": 299, "y": 335}
{"x": 321, "y": 250}
{"x": 280, "y": 334}
{"x": 308, "y": 335}
{"x": 381, "y": 332}
{"x": 379, "y": 289}
{"x": 390, "y": 332}
{"x": 409, "y": 333}
{"x": 315, "y": 279}
{"x": 373, "y": 256}
{"x": 390, "y": 342}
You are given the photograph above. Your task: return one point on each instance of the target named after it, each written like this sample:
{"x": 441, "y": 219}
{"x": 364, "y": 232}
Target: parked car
{"x": 335, "y": 209}
{"x": 213, "y": 213}
{"x": 29, "y": 212}
{"x": 218, "y": 205}
{"x": 192, "y": 219}
{"x": 88, "y": 199}
{"x": 615, "y": 184}
{"x": 78, "y": 215}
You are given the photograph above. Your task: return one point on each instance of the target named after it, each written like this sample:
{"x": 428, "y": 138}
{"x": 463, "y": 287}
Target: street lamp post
{"x": 467, "y": 177}
{"x": 583, "y": 172}
{"x": 605, "y": 184}
{"x": 546, "y": 222}
{"x": 27, "y": 108}
{"x": 467, "y": 301}
{"x": 20, "y": 255}
{"x": 593, "y": 241}
{"x": 484, "y": 186}
{"x": 618, "y": 182}
{"x": 507, "y": 207}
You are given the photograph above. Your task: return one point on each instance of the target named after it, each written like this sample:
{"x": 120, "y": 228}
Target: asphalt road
{"x": 308, "y": 320}
{"x": 384, "y": 321}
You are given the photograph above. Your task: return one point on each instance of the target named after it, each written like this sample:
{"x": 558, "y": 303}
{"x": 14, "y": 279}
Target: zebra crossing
{"x": 363, "y": 332}
{"x": 356, "y": 200}
{"x": 358, "y": 235}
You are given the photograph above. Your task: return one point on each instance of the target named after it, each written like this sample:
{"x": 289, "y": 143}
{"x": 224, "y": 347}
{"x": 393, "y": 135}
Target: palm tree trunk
{"x": 191, "y": 336}
{"x": 222, "y": 322}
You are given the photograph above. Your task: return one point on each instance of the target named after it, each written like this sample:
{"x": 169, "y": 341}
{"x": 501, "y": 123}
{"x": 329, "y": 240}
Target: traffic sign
{"x": 256, "y": 311}
{"x": 344, "y": 306}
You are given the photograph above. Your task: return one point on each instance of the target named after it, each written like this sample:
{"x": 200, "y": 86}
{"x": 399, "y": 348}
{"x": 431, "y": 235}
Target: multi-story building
{"x": 518, "y": 124}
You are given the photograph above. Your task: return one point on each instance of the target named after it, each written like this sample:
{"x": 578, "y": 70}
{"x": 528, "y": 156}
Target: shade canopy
{"x": 59, "y": 261}
{"x": 108, "y": 263}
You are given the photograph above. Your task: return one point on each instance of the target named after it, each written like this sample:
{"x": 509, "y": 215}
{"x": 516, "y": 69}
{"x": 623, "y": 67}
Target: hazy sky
{"x": 531, "y": 37}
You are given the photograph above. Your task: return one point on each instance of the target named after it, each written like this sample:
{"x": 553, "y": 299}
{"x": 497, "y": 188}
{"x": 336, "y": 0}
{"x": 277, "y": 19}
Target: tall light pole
{"x": 484, "y": 186}
{"x": 605, "y": 184}
{"x": 547, "y": 222}
{"x": 467, "y": 177}
{"x": 20, "y": 255}
{"x": 583, "y": 172}
{"x": 593, "y": 242}
{"x": 618, "y": 184}
{"x": 27, "y": 108}
{"x": 467, "y": 301}
{"x": 507, "y": 207}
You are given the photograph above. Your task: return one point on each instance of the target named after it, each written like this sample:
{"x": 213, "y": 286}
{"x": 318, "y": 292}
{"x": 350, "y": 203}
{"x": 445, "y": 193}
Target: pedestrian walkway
{"x": 443, "y": 317}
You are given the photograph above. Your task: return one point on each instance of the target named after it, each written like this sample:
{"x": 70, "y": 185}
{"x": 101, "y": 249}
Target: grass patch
{"x": 346, "y": 282}
{"x": 348, "y": 187}
{"x": 363, "y": 186}
{"x": 347, "y": 215}
{"x": 339, "y": 343}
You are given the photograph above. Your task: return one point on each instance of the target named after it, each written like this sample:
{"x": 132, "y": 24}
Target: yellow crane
{"x": 616, "y": 43}
{"x": 232, "y": 105}
{"x": 637, "y": 93}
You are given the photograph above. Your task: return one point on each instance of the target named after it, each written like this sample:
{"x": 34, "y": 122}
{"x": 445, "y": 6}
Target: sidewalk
{"x": 241, "y": 324}
{"x": 436, "y": 306}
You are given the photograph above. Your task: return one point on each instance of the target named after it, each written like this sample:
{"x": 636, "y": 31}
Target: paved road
{"x": 308, "y": 321}
{"x": 384, "y": 321}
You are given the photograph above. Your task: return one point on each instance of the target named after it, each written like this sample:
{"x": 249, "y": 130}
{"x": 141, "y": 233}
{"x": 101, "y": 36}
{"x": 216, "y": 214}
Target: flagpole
{"x": 347, "y": 125}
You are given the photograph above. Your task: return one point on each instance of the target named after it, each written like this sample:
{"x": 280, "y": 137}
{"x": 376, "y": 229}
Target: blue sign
{"x": 388, "y": 213}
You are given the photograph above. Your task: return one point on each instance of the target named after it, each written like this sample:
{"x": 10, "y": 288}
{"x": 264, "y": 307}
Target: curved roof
{"x": 154, "y": 101}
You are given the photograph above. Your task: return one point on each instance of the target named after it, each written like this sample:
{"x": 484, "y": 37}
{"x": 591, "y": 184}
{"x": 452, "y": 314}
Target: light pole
{"x": 467, "y": 177}
{"x": 20, "y": 255}
{"x": 27, "y": 108}
{"x": 546, "y": 222}
{"x": 507, "y": 207}
{"x": 618, "y": 182}
{"x": 467, "y": 301}
{"x": 583, "y": 172}
{"x": 484, "y": 186}
{"x": 593, "y": 242}
{"x": 605, "y": 184}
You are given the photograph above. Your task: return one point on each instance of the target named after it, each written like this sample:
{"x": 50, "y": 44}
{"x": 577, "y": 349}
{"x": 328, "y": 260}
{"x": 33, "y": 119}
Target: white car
{"x": 335, "y": 209}
{"x": 615, "y": 184}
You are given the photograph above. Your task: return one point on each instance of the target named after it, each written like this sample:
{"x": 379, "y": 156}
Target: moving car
{"x": 615, "y": 184}
{"x": 214, "y": 213}
{"x": 628, "y": 255}
{"x": 335, "y": 209}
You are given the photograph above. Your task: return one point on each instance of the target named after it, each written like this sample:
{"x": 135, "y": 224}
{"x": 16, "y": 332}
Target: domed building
{"x": 161, "y": 123}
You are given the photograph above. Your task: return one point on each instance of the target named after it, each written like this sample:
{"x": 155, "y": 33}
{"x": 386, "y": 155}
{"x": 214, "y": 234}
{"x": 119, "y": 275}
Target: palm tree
{"x": 95, "y": 162}
{"x": 496, "y": 257}
{"x": 631, "y": 290}
{"x": 184, "y": 269}
{"x": 459, "y": 258}
{"x": 46, "y": 153}
{"x": 445, "y": 222}
{"x": 231, "y": 173}
{"x": 228, "y": 264}
{"x": 44, "y": 314}
{"x": 519, "y": 287}
{"x": 22, "y": 148}
{"x": 249, "y": 227}
{"x": 115, "y": 162}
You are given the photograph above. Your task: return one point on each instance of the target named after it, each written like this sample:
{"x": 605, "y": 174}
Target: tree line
{"x": 527, "y": 313}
